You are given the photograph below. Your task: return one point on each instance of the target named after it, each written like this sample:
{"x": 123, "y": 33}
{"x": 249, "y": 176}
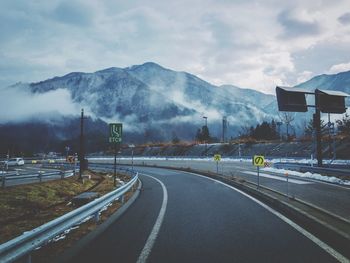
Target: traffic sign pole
{"x": 115, "y": 137}
{"x": 258, "y": 160}
{"x": 287, "y": 186}
{"x": 115, "y": 166}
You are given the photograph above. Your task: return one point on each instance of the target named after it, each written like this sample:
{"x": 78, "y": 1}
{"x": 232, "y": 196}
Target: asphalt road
{"x": 331, "y": 197}
{"x": 180, "y": 217}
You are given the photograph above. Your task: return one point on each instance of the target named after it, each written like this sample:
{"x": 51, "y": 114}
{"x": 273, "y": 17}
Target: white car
{"x": 15, "y": 162}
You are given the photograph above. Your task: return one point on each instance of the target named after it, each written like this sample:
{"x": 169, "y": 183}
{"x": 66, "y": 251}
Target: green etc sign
{"x": 115, "y": 132}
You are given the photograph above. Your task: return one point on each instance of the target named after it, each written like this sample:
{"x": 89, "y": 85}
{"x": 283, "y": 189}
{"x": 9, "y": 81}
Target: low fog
{"x": 18, "y": 104}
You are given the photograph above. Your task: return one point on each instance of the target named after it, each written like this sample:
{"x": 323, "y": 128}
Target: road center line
{"x": 301, "y": 230}
{"x": 153, "y": 236}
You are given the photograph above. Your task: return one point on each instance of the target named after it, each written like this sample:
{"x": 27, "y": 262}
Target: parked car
{"x": 15, "y": 162}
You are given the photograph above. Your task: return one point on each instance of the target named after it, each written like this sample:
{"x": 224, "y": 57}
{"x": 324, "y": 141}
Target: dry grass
{"x": 25, "y": 207}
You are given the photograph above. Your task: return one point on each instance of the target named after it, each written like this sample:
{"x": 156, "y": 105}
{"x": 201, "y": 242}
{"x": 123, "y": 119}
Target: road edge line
{"x": 301, "y": 230}
{"x": 147, "y": 249}
{"x": 77, "y": 247}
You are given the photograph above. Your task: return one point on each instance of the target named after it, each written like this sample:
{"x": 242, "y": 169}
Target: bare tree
{"x": 287, "y": 118}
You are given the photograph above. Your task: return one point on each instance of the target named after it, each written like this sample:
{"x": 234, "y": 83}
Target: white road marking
{"x": 290, "y": 180}
{"x": 301, "y": 230}
{"x": 153, "y": 236}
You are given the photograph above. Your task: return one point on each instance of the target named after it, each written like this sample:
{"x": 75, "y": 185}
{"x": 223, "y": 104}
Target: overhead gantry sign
{"x": 326, "y": 101}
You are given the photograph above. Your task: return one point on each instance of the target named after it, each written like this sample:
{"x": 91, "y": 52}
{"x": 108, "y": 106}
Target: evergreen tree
{"x": 344, "y": 125}
{"x": 175, "y": 139}
{"x": 203, "y": 134}
{"x": 309, "y": 129}
{"x": 199, "y": 135}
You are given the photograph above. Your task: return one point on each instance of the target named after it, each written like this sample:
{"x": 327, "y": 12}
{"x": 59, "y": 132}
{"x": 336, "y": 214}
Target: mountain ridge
{"x": 156, "y": 103}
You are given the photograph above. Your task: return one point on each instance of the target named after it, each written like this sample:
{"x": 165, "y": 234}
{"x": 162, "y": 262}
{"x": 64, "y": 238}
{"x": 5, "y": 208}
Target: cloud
{"x": 224, "y": 42}
{"x": 344, "y": 19}
{"x": 304, "y": 76}
{"x": 339, "y": 68}
{"x": 19, "y": 104}
{"x": 297, "y": 25}
{"x": 73, "y": 12}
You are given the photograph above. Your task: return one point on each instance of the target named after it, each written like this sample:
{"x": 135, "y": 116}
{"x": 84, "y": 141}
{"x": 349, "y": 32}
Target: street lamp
{"x": 206, "y": 120}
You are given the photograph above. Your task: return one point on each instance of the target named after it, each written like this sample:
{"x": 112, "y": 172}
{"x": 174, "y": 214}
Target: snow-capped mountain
{"x": 154, "y": 104}
{"x": 150, "y": 97}
{"x": 339, "y": 82}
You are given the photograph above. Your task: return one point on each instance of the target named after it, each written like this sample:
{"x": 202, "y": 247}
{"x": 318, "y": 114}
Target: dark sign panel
{"x": 291, "y": 99}
{"x": 331, "y": 101}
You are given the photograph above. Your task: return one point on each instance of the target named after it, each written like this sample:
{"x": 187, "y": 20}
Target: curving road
{"x": 181, "y": 217}
{"x": 331, "y": 197}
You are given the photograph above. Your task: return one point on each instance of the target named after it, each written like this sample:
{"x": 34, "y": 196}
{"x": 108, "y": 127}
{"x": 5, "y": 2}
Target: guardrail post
{"x": 122, "y": 199}
{"x": 3, "y": 180}
{"x": 28, "y": 258}
{"x": 97, "y": 217}
{"x": 40, "y": 177}
{"x": 62, "y": 174}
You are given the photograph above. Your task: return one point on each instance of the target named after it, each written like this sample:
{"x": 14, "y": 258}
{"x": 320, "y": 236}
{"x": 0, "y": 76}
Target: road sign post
{"x": 287, "y": 186}
{"x": 258, "y": 160}
{"x": 217, "y": 159}
{"x": 115, "y": 137}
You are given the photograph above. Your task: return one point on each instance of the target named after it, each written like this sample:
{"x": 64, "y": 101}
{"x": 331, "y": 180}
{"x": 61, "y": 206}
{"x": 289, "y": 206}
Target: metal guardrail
{"x": 24, "y": 244}
{"x": 4, "y": 177}
{"x": 320, "y": 170}
{"x": 109, "y": 167}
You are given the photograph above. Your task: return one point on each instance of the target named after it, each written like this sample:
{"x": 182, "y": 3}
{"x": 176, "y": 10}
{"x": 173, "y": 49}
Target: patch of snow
{"x": 86, "y": 219}
{"x": 330, "y": 179}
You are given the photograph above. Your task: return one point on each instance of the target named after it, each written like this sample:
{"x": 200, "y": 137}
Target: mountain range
{"x": 157, "y": 104}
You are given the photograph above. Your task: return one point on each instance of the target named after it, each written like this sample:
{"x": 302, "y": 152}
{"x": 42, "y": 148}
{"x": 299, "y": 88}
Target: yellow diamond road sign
{"x": 258, "y": 160}
{"x": 217, "y": 157}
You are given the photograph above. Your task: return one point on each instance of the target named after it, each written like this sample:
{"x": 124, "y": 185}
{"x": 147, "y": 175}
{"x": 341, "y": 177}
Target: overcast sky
{"x": 251, "y": 44}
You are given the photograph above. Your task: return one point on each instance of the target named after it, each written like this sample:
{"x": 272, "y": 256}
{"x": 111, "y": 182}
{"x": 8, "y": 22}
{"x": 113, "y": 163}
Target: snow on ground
{"x": 330, "y": 179}
{"x": 153, "y": 158}
{"x": 223, "y": 159}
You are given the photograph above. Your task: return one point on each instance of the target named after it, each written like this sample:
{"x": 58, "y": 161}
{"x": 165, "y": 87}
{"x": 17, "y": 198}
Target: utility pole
{"x": 224, "y": 128}
{"x": 82, "y": 150}
{"x": 206, "y": 126}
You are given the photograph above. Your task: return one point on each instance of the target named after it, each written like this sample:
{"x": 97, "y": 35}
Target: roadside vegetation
{"x": 25, "y": 207}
